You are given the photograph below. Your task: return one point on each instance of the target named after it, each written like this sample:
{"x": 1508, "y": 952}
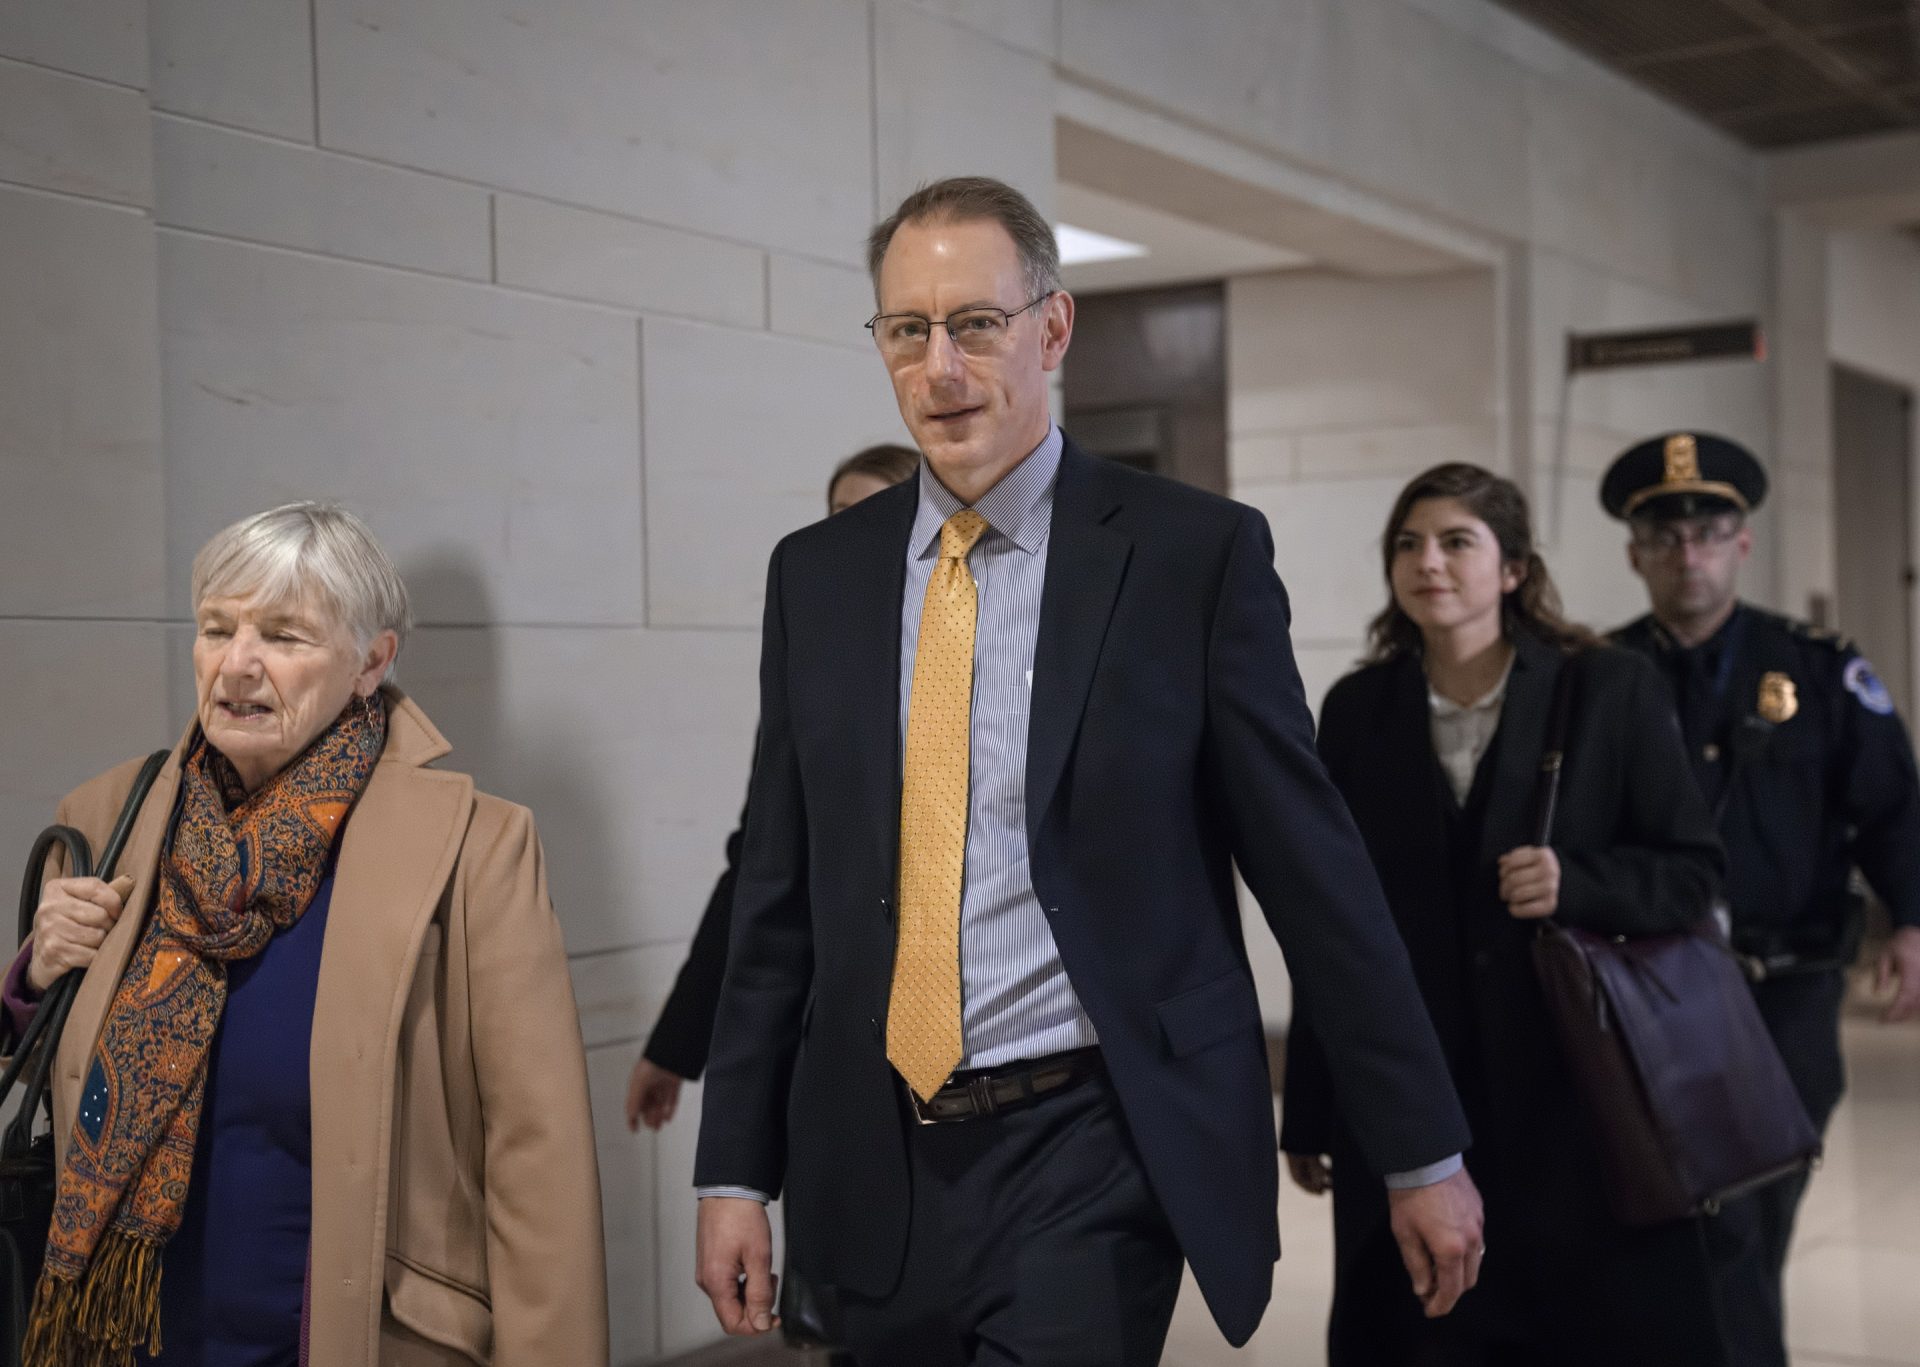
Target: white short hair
{"x": 307, "y": 553}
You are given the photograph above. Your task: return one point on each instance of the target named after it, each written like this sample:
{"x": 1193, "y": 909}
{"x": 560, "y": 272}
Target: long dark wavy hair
{"x": 1533, "y": 609}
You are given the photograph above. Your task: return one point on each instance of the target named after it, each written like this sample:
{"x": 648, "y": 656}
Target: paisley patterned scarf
{"x": 237, "y": 867}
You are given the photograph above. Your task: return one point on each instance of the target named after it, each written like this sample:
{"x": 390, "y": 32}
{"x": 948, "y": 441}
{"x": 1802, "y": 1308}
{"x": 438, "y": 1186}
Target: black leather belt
{"x": 969, "y": 1095}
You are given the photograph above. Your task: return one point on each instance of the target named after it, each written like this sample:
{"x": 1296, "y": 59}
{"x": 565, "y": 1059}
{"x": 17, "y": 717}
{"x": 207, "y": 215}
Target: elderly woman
{"x": 322, "y": 1095}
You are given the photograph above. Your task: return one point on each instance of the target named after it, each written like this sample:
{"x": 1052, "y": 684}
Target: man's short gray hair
{"x": 307, "y": 553}
{"x": 961, "y": 199}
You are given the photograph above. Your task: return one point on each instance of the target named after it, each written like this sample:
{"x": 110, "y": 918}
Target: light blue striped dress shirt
{"x": 1016, "y": 1000}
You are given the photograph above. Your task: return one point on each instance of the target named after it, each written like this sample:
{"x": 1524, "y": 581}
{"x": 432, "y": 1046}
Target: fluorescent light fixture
{"x": 1082, "y": 246}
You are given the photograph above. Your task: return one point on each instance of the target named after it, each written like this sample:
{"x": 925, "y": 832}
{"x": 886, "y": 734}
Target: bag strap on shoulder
{"x": 1546, "y": 795}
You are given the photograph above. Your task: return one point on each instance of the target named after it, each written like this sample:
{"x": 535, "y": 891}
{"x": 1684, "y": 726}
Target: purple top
{"x": 19, "y": 999}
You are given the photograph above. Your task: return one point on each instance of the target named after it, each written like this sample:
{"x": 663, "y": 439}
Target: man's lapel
{"x": 874, "y": 578}
{"x": 1086, "y": 561}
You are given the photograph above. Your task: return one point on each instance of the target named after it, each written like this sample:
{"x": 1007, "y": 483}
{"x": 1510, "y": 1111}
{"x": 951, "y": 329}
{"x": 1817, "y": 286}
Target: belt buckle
{"x": 922, "y": 1110}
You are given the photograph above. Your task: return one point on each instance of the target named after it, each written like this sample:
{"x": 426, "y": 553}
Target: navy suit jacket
{"x": 1169, "y": 740}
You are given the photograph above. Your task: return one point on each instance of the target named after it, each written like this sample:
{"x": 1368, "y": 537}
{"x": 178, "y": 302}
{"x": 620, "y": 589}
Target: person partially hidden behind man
{"x": 1809, "y": 772}
{"x": 987, "y": 1017}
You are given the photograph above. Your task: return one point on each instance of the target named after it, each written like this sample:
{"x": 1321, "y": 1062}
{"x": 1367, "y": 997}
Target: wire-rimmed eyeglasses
{"x": 978, "y": 331}
{"x": 1671, "y": 538}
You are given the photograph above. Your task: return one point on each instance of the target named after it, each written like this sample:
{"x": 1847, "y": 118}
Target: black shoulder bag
{"x": 28, "y": 1174}
{"x": 1689, "y": 1101}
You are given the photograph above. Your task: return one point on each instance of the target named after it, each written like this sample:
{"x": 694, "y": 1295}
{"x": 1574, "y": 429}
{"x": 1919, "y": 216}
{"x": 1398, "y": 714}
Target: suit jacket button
{"x": 1481, "y": 958}
{"x": 873, "y": 1024}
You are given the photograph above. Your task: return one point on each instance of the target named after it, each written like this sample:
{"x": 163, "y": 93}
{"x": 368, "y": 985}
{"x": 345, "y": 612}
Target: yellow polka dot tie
{"x": 923, "y": 1011}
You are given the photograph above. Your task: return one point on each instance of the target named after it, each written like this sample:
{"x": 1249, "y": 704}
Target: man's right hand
{"x": 1438, "y": 1228}
{"x": 734, "y": 1263}
{"x": 70, "y": 925}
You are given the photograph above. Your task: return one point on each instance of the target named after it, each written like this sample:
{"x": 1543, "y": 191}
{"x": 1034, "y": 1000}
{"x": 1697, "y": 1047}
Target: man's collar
{"x": 1015, "y": 507}
{"x": 1722, "y": 634}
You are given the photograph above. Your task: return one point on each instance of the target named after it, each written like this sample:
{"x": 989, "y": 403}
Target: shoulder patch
{"x": 1865, "y": 685}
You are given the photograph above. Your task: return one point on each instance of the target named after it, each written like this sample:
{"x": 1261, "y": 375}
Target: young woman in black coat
{"x": 1436, "y": 743}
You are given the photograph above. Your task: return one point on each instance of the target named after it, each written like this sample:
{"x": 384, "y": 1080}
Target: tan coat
{"x": 456, "y": 1199}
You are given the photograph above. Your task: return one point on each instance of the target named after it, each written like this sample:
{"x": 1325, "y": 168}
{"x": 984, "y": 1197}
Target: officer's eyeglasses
{"x": 977, "y": 332}
{"x": 1674, "y": 537}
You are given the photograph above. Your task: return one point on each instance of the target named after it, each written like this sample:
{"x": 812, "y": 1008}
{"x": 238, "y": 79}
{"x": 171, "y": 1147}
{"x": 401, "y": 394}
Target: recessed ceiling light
{"x": 1082, "y": 246}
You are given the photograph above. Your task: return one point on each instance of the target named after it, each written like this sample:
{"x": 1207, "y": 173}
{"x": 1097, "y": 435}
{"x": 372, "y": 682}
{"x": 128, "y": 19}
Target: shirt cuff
{"x": 17, "y": 999}
{"x": 1425, "y": 1177}
{"x": 743, "y": 1193}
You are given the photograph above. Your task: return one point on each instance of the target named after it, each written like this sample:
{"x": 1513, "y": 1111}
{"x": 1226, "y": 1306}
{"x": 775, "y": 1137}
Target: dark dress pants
{"x": 1750, "y": 1237}
{"x": 1034, "y": 1239}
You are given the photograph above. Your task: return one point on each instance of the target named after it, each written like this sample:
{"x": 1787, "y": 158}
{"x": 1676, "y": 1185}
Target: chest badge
{"x": 1779, "y": 700}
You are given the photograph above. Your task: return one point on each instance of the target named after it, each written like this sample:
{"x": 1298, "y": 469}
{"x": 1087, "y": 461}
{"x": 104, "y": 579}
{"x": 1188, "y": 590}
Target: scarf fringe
{"x": 100, "y": 1318}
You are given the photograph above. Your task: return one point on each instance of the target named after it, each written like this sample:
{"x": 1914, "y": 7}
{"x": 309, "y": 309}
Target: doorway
{"x": 1147, "y": 385}
{"x": 1872, "y": 500}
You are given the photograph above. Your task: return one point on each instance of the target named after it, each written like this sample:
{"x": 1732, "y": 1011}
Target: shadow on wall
{"x": 497, "y": 695}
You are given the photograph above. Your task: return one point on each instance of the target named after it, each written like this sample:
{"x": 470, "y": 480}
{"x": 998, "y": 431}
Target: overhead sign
{"x": 1666, "y": 346}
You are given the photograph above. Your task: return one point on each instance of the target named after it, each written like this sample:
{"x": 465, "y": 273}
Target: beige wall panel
{"x": 1261, "y": 458}
{"x": 1030, "y": 24}
{"x": 83, "y": 696}
{"x": 1326, "y": 538}
{"x": 630, "y": 747}
{"x": 248, "y": 63}
{"x": 1424, "y": 114}
{"x": 263, "y": 190}
{"x": 1311, "y": 352}
{"x": 1261, "y": 71}
{"x": 1372, "y": 89}
{"x": 490, "y": 438}
{"x": 620, "y": 991}
{"x": 629, "y": 1197}
{"x": 817, "y": 300}
{"x": 742, "y": 430}
{"x": 1589, "y": 563}
{"x": 667, "y": 110}
{"x": 74, "y": 135}
{"x": 585, "y": 255}
{"x": 1607, "y": 188}
{"x": 1403, "y": 451}
{"x": 950, "y": 102}
{"x": 105, "y": 39}
{"x": 81, "y": 531}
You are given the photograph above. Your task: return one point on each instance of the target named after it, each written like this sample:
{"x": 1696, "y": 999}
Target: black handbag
{"x": 28, "y": 1173}
{"x": 1690, "y": 1103}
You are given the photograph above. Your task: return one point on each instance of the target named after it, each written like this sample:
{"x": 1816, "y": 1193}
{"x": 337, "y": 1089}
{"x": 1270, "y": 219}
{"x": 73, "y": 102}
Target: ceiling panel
{"x": 1771, "y": 72}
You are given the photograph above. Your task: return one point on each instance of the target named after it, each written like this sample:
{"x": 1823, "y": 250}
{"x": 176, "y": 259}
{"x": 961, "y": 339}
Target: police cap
{"x": 1683, "y": 474}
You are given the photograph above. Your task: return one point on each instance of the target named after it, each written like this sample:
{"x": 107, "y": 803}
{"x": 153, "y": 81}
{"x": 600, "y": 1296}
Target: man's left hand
{"x": 1900, "y": 962}
{"x": 1438, "y": 1228}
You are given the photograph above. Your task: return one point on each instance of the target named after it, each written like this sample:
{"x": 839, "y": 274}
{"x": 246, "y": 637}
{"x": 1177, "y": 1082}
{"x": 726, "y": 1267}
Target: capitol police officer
{"x": 1811, "y": 775}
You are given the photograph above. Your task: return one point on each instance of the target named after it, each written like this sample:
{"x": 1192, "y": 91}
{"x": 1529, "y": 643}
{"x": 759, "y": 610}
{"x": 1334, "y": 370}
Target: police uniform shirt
{"x": 1799, "y": 750}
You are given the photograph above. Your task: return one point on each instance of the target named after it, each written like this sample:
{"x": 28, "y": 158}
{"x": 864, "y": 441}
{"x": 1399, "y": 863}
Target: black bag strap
{"x": 33, "y": 1057}
{"x": 1546, "y": 794}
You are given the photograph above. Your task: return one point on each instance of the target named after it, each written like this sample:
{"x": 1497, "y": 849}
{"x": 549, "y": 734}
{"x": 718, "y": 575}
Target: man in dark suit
{"x": 988, "y": 1016}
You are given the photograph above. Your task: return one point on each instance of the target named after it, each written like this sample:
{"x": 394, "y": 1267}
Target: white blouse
{"x": 1462, "y": 732}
